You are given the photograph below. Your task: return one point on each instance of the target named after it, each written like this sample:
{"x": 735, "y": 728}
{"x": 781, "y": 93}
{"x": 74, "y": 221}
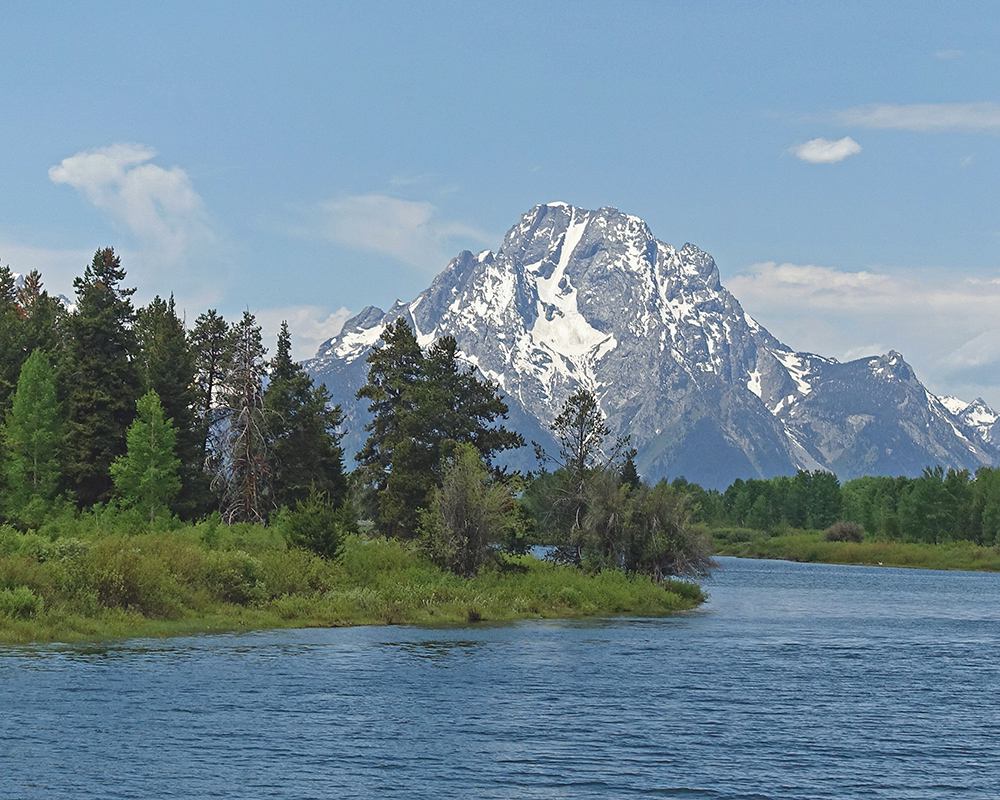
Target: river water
{"x": 794, "y": 681}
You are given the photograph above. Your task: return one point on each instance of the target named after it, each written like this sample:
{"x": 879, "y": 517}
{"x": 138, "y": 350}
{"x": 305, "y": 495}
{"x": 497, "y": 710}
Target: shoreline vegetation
{"x": 92, "y": 583}
{"x": 812, "y": 546}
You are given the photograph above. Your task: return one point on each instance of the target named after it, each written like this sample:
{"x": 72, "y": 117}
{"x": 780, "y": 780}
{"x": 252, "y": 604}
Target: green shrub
{"x": 235, "y": 576}
{"x": 20, "y": 603}
{"x": 317, "y": 525}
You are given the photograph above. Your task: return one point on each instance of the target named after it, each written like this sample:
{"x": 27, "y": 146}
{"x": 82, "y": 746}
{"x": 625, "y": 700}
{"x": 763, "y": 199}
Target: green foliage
{"x": 422, "y": 407}
{"x": 11, "y": 352}
{"x": 33, "y": 438}
{"x": 20, "y": 603}
{"x": 100, "y": 374}
{"x": 304, "y": 433}
{"x": 469, "y": 514}
{"x": 319, "y": 525}
{"x": 166, "y": 364}
{"x": 146, "y": 477}
{"x": 96, "y": 581}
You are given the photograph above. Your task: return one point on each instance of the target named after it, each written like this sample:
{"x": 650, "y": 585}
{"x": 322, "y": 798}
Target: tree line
{"x": 103, "y": 402}
{"x": 109, "y": 405}
{"x": 939, "y": 505}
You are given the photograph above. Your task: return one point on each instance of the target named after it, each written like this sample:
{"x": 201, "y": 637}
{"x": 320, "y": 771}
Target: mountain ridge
{"x": 577, "y": 298}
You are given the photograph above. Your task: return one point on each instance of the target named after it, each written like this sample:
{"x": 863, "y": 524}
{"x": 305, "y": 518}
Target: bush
{"x": 317, "y": 525}
{"x": 19, "y": 603}
{"x": 844, "y": 532}
{"x": 236, "y": 577}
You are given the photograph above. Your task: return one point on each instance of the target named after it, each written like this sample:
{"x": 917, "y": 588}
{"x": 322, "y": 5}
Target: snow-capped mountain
{"x": 578, "y": 298}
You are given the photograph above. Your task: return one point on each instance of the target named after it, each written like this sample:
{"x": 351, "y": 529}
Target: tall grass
{"x": 88, "y": 576}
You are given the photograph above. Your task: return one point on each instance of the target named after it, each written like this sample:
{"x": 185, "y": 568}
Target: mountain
{"x": 580, "y": 298}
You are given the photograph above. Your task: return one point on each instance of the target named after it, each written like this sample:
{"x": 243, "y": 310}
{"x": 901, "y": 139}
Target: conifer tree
{"x": 33, "y": 438}
{"x": 166, "y": 363}
{"x": 305, "y": 438}
{"x": 243, "y": 461}
{"x": 212, "y": 347}
{"x": 100, "y": 374}
{"x": 40, "y": 315}
{"x": 146, "y": 477}
{"x": 422, "y": 406}
{"x": 11, "y": 353}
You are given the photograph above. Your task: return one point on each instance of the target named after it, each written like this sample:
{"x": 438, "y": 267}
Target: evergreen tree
{"x": 305, "y": 436}
{"x": 100, "y": 375}
{"x": 146, "y": 477}
{"x": 11, "y": 353}
{"x": 243, "y": 467}
{"x": 166, "y": 364}
{"x": 393, "y": 369}
{"x": 211, "y": 343}
{"x": 33, "y": 439}
{"x": 422, "y": 407}
{"x": 40, "y": 315}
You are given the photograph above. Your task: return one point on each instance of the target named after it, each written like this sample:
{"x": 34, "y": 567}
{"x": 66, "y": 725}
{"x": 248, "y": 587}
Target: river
{"x": 794, "y": 681}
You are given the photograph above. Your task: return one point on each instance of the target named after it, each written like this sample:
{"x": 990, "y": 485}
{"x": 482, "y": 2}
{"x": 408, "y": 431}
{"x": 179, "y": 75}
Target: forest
{"x": 155, "y": 469}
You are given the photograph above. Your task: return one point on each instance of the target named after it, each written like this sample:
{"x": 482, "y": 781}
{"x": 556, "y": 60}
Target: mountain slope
{"x": 579, "y": 298}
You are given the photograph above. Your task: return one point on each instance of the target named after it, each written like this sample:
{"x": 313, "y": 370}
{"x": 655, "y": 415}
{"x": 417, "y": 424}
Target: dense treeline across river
{"x": 939, "y": 506}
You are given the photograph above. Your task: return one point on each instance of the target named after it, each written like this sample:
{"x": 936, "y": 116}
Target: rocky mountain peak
{"x": 590, "y": 298}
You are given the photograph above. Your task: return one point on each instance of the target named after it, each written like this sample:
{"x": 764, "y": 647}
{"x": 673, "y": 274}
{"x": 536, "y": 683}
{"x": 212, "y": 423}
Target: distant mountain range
{"x": 579, "y": 298}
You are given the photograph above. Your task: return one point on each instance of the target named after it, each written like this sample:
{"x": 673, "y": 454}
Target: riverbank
{"x": 206, "y": 578}
{"x": 812, "y": 547}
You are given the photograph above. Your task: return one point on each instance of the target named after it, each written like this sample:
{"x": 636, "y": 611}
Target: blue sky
{"x": 839, "y": 161}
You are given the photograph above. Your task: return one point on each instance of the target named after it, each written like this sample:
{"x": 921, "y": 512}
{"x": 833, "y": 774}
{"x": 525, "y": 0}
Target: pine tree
{"x": 100, "y": 375}
{"x": 423, "y": 406}
{"x": 243, "y": 461}
{"x": 305, "y": 437}
{"x": 146, "y": 477}
{"x": 211, "y": 343}
{"x": 12, "y": 356}
{"x": 393, "y": 369}
{"x": 33, "y": 438}
{"x": 40, "y": 315}
{"x": 166, "y": 364}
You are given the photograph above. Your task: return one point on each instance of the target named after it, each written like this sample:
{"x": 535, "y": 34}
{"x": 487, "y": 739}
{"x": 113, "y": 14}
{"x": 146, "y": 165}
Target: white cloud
{"x": 158, "y": 206}
{"x": 949, "y": 329}
{"x": 983, "y": 116}
{"x": 825, "y": 151}
{"x": 310, "y": 326}
{"x": 949, "y": 55}
{"x": 411, "y": 231}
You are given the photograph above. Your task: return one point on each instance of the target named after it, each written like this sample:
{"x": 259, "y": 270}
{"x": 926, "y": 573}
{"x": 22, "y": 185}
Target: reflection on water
{"x": 794, "y": 681}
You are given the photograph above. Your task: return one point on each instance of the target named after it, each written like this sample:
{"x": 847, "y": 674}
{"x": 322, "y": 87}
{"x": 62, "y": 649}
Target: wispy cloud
{"x": 949, "y": 329}
{"x": 825, "y": 151}
{"x": 162, "y": 212}
{"x": 158, "y": 206}
{"x": 983, "y": 116}
{"x": 413, "y": 232}
{"x": 949, "y": 55}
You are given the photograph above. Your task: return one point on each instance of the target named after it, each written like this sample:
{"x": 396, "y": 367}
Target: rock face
{"x": 577, "y": 298}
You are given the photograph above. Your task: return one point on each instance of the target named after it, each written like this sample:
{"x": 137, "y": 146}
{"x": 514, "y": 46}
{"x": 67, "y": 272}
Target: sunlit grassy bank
{"x": 811, "y": 546}
{"x": 86, "y": 581}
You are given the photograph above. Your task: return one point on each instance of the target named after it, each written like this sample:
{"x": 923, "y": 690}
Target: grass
{"x": 811, "y": 546}
{"x": 87, "y": 579}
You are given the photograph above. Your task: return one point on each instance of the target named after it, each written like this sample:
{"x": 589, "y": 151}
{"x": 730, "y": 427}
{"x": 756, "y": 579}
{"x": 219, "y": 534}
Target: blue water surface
{"x": 794, "y": 681}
